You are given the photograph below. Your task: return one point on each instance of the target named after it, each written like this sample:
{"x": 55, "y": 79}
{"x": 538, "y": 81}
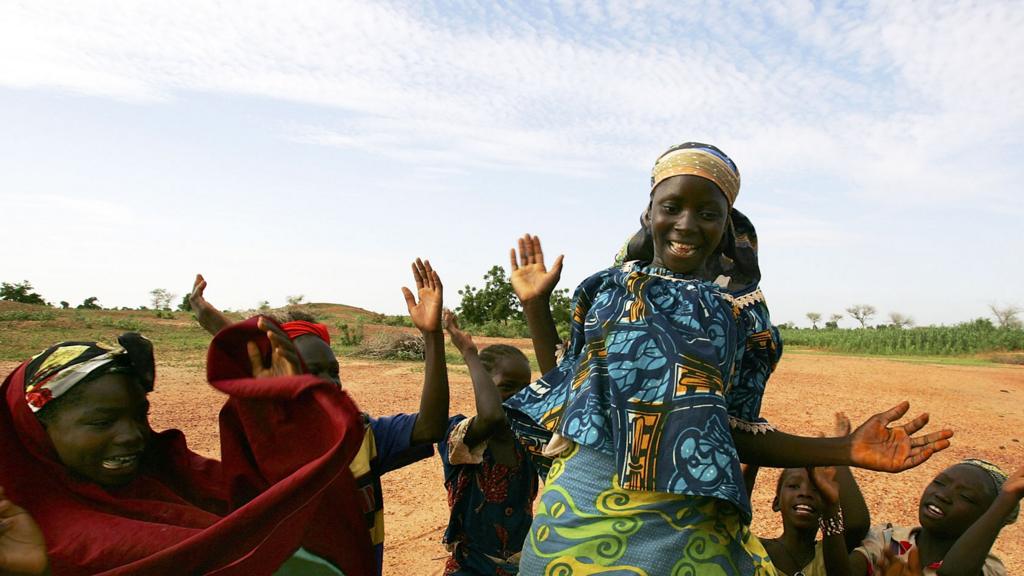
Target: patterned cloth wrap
{"x": 587, "y": 523}
{"x": 56, "y": 370}
{"x": 657, "y": 369}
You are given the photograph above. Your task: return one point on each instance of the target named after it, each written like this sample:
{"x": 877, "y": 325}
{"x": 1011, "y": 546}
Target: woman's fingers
{"x": 938, "y": 438}
{"x": 524, "y": 258}
{"x": 893, "y": 414}
{"x": 255, "y": 358}
{"x": 417, "y": 273}
{"x": 538, "y": 253}
{"x": 916, "y": 424}
{"x": 513, "y": 264}
{"x": 410, "y": 300}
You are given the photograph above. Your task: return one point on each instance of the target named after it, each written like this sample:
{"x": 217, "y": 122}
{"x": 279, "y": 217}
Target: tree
{"x": 1006, "y": 316}
{"x": 833, "y": 321}
{"x": 900, "y": 321}
{"x": 20, "y": 292}
{"x": 185, "y": 305}
{"x": 89, "y": 304}
{"x": 161, "y": 299}
{"x": 495, "y": 302}
{"x": 295, "y": 300}
{"x": 64, "y": 305}
{"x": 861, "y": 313}
{"x": 814, "y": 317}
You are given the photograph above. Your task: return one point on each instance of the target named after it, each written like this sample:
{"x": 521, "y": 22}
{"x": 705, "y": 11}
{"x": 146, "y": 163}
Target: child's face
{"x": 102, "y": 436}
{"x": 510, "y": 375}
{"x": 319, "y": 358}
{"x": 798, "y": 500}
{"x": 955, "y": 499}
{"x": 688, "y": 217}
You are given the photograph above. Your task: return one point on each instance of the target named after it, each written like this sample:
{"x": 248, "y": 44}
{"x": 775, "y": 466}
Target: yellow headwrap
{"x": 698, "y": 162}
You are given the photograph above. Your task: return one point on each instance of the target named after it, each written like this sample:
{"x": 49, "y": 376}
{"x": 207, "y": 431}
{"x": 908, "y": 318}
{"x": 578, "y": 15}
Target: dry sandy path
{"x": 983, "y": 405}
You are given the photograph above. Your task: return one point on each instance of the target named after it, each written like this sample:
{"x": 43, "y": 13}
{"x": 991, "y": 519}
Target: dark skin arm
{"x": 749, "y": 477}
{"x": 833, "y": 546}
{"x": 856, "y": 515}
{"x": 874, "y": 445}
{"x": 967, "y": 556}
{"x": 432, "y": 420}
{"x": 211, "y": 319}
{"x": 489, "y": 425}
{"x": 22, "y": 548}
{"x": 533, "y": 283}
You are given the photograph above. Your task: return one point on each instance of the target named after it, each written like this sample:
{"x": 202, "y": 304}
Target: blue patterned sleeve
{"x": 757, "y": 356}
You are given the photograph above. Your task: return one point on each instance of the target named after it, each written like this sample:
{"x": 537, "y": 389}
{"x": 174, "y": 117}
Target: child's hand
{"x": 876, "y": 446}
{"x": 824, "y": 479}
{"x": 426, "y": 315}
{"x": 462, "y": 340}
{"x": 1014, "y": 485}
{"x": 284, "y": 357}
{"x": 22, "y": 548}
{"x": 530, "y": 278}
{"x": 891, "y": 565}
{"x": 842, "y": 426}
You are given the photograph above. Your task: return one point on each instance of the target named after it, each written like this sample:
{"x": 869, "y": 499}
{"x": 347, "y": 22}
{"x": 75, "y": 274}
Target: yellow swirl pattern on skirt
{"x": 588, "y": 524}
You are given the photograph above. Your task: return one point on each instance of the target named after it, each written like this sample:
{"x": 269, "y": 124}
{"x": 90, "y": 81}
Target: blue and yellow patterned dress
{"x": 658, "y": 370}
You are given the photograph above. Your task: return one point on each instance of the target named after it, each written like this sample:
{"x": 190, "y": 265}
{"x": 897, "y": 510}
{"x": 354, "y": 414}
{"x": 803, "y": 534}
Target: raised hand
{"x": 426, "y": 314}
{"x": 211, "y": 319}
{"x": 1014, "y": 485}
{"x": 842, "y": 425}
{"x": 530, "y": 277}
{"x": 462, "y": 340}
{"x": 877, "y": 446}
{"x": 891, "y": 565}
{"x": 824, "y": 479}
{"x": 22, "y": 548}
{"x": 284, "y": 358}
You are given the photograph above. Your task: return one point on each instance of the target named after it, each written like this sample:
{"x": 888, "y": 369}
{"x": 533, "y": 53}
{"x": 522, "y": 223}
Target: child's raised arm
{"x": 432, "y": 420}
{"x": 533, "y": 283}
{"x": 968, "y": 555}
{"x": 490, "y": 417}
{"x": 833, "y": 533}
{"x": 211, "y": 319}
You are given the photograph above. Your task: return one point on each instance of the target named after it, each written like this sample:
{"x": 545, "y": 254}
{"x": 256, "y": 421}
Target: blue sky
{"x": 316, "y": 148}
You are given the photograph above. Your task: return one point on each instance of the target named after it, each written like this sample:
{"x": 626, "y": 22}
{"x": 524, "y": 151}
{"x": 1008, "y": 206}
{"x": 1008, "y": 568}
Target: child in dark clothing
{"x": 491, "y": 480}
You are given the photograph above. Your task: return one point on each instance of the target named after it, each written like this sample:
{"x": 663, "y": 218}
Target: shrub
{"x": 393, "y": 346}
{"x": 350, "y": 336}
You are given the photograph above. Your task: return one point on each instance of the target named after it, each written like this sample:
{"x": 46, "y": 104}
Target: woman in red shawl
{"x": 113, "y": 497}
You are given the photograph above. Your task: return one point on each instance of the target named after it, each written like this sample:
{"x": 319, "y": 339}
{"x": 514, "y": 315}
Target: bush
{"x": 393, "y": 346}
{"x": 351, "y": 336}
{"x": 23, "y": 315}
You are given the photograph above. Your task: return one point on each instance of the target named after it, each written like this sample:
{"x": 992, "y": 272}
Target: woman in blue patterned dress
{"x": 657, "y": 397}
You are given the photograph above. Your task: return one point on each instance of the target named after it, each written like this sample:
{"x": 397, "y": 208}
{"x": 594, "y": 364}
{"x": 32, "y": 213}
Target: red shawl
{"x": 284, "y": 482}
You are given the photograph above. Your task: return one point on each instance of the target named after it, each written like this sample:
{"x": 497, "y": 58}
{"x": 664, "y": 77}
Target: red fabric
{"x": 299, "y": 327}
{"x": 283, "y": 481}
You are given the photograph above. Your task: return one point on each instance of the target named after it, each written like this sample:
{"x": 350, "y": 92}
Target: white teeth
{"x": 803, "y": 508}
{"x": 681, "y": 248}
{"x": 935, "y": 510}
{"x": 118, "y": 462}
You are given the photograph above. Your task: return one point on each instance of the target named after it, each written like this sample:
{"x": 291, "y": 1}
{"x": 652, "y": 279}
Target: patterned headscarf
{"x": 53, "y": 372}
{"x": 702, "y": 160}
{"x": 998, "y": 477}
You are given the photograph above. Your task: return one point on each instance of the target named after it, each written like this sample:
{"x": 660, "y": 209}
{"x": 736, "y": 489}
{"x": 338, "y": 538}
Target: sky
{"x": 316, "y": 148}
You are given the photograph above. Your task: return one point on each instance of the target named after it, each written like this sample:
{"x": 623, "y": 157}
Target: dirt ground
{"x": 983, "y": 405}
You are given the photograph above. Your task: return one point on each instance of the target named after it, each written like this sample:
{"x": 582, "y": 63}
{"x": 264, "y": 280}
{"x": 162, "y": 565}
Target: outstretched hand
{"x": 211, "y": 319}
{"x": 529, "y": 276}
{"x": 877, "y": 446}
{"x": 462, "y": 340}
{"x": 22, "y": 548}
{"x": 425, "y": 314}
{"x": 284, "y": 357}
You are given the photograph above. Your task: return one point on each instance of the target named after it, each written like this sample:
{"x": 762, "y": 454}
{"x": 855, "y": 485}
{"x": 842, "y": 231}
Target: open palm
{"x": 877, "y": 446}
{"x": 22, "y": 548}
{"x": 425, "y": 314}
{"x": 530, "y": 277}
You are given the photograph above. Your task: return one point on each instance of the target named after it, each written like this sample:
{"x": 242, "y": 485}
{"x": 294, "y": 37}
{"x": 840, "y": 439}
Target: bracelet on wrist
{"x": 832, "y": 525}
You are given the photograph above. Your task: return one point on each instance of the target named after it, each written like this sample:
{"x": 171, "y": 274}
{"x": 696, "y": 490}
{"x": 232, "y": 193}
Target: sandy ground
{"x": 981, "y": 404}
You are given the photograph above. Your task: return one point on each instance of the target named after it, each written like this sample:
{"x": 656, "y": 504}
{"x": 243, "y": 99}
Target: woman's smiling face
{"x": 102, "y": 434}
{"x": 688, "y": 219}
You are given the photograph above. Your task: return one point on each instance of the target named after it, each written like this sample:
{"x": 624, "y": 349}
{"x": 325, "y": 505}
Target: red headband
{"x": 300, "y": 327}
